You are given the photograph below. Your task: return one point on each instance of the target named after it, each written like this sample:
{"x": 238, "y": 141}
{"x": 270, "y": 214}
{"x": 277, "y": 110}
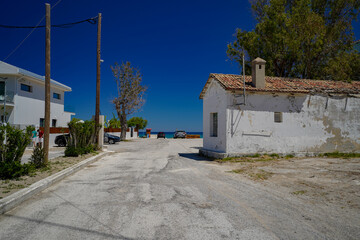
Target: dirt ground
{"x": 58, "y": 164}
{"x": 334, "y": 181}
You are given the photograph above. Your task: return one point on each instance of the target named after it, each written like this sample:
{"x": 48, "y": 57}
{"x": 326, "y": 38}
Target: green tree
{"x": 114, "y": 122}
{"x": 130, "y": 92}
{"x": 301, "y": 38}
{"x": 137, "y": 122}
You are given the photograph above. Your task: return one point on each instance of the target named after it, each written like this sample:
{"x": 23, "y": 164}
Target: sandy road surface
{"x": 161, "y": 189}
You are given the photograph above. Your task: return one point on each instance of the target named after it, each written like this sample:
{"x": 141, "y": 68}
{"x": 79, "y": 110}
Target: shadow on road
{"x": 196, "y": 147}
{"x": 194, "y": 156}
{"x": 58, "y": 225}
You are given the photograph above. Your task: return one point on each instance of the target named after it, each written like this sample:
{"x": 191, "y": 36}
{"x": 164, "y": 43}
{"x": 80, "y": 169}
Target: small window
{"x": 26, "y": 88}
{"x": 53, "y": 123}
{"x": 259, "y": 66}
{"x": 42, "y": 122}
{"x": 213, "y": 124}
{"x": 278, "y": 117}
{"x": 56, "y": 96}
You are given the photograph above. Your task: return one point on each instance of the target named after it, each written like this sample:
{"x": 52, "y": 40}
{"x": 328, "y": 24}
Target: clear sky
{"x": 175, "y": 44}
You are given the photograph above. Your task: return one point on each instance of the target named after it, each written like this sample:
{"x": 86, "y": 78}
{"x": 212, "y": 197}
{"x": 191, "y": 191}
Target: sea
{"x": 171, "y": 134}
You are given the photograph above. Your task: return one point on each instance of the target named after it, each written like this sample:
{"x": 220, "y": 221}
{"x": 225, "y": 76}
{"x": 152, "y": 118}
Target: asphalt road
{"x": 161, "y": 189}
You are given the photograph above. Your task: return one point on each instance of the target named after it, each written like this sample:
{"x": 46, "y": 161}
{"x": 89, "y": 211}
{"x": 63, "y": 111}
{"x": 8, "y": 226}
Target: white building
{"x": 279, "y": 115}
{"x": 25, "y": 98}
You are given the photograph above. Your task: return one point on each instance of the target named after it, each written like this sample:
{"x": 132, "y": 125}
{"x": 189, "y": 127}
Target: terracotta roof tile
{"x": 287, "y": 85}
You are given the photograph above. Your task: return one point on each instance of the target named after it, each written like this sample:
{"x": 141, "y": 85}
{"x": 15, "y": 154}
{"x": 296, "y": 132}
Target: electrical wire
{"x": 89, "y": 20}
{"x": 11, "y": 53}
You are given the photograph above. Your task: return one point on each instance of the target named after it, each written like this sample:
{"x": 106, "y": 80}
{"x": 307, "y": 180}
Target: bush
{"x": 82, "y": 138}
{"x": 12, "y": 150}
{"x": 15, "y": 170}
{"x": 38, "y": 157}
{"x": 71, "y": 151}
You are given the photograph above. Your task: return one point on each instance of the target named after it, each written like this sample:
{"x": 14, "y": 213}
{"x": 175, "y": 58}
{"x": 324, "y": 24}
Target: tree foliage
{"x": 130, "y": 92}
{"x": 301, "y": 38}
{"x": 137, "y": 122}
{"x": 114, "y": 122}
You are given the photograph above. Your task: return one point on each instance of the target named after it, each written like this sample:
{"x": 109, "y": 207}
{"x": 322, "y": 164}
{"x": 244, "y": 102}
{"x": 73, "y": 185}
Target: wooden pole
{"x": 97, "y": 108}
{"x": 47, "y": 84}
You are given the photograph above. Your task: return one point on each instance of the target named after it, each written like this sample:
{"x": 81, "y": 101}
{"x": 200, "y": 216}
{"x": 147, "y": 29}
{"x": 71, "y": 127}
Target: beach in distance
{"x": 171, "y": 134}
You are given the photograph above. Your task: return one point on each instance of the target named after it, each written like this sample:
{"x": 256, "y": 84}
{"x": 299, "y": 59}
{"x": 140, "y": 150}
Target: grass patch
{"x": 289, "y": 156}
{"x": 14, "y": 186}
{"x": 301, "y": 192}
{"x": 250, "y": 159}
{"x": 261, "y": 175}
{"x": 238, "y": 170}
{"x": 340, "y": 155}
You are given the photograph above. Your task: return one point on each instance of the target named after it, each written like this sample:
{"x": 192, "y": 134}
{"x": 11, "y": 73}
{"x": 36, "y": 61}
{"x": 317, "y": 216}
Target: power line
{"x": 89, "y": 20}
{"x": 11, "y": 53}
{"x": 56, "y": 4}
{"x": 24, "y": 39}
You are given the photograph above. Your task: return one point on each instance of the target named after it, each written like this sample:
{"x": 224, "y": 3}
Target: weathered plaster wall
{"x": 215, "y": 101}
{"x": 311, "y": 124}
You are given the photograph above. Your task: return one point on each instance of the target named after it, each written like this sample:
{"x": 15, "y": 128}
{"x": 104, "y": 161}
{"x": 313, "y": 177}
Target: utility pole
{"x": 47, "y": 84}
{"x": 97, "y": 108}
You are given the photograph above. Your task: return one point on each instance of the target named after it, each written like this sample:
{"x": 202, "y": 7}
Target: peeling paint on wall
{"x": 311, "y": 123}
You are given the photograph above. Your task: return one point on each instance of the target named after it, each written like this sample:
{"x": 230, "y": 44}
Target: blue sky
{"x": 175, "y": 44}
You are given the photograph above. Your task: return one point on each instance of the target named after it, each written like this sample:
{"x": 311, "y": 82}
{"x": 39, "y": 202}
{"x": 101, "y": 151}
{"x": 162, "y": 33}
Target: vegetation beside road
{"x": 13, "y": 143}
{"x": 82, "y": 138}
{"x": 9, "y": 186}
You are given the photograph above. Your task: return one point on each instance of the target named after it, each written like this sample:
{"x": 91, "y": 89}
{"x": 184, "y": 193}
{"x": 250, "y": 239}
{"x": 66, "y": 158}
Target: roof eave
{"x": 53, "y": 82}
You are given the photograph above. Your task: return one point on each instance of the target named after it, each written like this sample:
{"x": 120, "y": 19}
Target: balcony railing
{"x": 9, "y": 97}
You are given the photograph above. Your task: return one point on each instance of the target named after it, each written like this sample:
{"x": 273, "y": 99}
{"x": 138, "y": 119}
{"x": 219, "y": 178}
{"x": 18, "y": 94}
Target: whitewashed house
{"x": 278, "y": 115}
{"x": 25, "y": 98}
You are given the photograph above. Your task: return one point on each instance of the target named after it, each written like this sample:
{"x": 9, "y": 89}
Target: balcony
{"x": 9, "y": 97}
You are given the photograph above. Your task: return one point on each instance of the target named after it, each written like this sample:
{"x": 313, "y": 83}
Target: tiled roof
{"x": 285, "y": 85}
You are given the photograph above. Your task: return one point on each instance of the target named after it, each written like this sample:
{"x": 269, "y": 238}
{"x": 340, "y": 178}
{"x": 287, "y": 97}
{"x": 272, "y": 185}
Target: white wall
{"x": 128, "y": 134}
{"x": 311, "y": 124}
{"x": 30, "y": 106}
{"x": 215, "y": 101}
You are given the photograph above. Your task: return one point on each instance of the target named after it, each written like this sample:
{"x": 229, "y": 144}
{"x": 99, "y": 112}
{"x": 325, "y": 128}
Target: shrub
{"x": 12, "y": 150}
{"x": 14, "y": 170}
{"x": 82, "y": 138}
{"x": 71, "y": 151}
{"x": 38, "y": 157}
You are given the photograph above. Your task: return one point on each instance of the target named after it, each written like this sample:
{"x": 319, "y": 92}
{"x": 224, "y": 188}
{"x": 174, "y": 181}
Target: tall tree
{"x": 130, "y": 92}
{"x": 301, "y": 38}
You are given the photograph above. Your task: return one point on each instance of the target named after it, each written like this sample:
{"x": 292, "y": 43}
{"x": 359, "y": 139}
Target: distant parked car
{"x": 61, "y": 140}
{"x": 111, "y": 139}
{"x": 180, "y": 134}
{"x": 161, "y": 135}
